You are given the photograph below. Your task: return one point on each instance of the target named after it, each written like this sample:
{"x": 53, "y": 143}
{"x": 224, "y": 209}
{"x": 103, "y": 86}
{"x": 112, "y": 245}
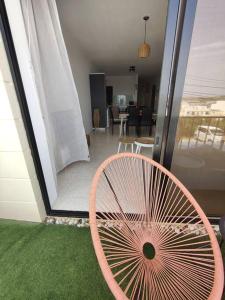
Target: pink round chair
{"x": 151, "y": 238}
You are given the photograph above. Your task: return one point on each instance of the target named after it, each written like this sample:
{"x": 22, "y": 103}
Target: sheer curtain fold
{"x": 56, "y": 88}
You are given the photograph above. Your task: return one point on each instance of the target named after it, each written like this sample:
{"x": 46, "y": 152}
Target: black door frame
{"x": 172, "y": 86}
{"x": 18, "y": 83}
{"x": 176, "y": 50}
{"x": 180, "y": 20}
{"x": 178, "y": 80}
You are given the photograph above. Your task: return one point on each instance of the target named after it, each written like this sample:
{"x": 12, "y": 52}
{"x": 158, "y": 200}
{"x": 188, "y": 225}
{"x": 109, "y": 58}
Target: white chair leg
{"x": 132, "y": 148}
{"x": 121, "y": 127}
{"x": 125, "y": 129}
{"x": 138, "y": 149}
{"x": 119, "y": 146}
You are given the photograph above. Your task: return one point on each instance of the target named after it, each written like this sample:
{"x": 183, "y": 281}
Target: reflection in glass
{"x": 199, "y": 155}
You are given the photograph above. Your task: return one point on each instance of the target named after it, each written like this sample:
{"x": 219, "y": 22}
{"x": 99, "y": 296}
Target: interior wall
{"x": 81, "y": 68}
{"x": 124, "y": 85}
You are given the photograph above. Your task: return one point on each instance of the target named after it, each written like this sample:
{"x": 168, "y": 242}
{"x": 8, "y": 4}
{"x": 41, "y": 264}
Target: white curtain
{"x": 55, "y": 84}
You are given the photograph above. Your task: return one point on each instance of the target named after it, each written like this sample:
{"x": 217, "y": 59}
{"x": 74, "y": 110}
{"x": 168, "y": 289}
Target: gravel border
{"x": 78, "y": 222}
{"x": 84, "y": 222}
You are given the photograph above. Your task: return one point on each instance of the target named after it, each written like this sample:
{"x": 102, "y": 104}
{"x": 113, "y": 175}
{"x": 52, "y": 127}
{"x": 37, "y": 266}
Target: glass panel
{"x": 199, "y": 155}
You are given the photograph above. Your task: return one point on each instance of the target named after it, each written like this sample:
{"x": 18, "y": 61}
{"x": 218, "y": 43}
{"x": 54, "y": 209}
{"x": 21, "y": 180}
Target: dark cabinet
{"x": 109, "y": 95}
{"x": 98, "y": 97}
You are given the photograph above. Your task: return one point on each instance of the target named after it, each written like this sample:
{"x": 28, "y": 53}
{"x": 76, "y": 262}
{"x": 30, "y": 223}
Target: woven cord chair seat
{"x": 151, "y": 238}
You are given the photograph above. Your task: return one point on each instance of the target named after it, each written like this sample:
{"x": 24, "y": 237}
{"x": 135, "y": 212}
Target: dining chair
{"x": 133, "y": 119}
{"x": 146, "y": 119}
{"x": 114, "y": 117}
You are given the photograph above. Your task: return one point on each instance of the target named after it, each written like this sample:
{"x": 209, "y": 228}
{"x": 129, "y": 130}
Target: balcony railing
{"x": 196, "y": 131}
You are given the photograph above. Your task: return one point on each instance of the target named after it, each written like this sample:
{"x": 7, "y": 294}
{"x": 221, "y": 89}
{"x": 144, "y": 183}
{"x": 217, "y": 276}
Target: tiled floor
{"x": 74, "y": 181}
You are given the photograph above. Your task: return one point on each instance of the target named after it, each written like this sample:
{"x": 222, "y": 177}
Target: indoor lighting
{"x": 132, "y": 69}
{"x": 144, "y": 49}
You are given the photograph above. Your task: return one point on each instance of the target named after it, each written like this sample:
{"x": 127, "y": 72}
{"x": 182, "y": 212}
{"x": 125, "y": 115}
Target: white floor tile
{"x": 74, "y": 181}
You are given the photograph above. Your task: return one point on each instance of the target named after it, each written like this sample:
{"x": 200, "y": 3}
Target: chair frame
{"x": 118, "y": 293}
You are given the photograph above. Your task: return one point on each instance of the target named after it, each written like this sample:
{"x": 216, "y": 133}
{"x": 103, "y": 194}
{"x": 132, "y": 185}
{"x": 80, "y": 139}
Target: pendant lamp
{"x": 144, "y": 49}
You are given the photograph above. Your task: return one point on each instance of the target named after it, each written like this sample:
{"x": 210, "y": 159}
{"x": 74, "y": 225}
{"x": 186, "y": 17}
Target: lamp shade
{"x": 144, "y": 50}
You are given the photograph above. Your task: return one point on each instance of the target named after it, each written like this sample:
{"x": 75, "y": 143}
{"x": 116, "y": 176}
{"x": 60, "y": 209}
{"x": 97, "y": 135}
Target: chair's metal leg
{"x": 132, "y": 148}
{"x": 138, "y": 149}
{"x": 119, "y": 146}
{"x": 125, "y": 129}
{"x": 121, "y": 127}
{"x": 125, "y": 147}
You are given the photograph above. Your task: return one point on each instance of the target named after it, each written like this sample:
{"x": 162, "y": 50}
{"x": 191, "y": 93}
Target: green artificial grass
{"x": 39, "y": 261}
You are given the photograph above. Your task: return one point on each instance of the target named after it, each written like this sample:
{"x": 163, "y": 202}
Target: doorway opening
{"x": 118, "y": 91}
{"x": 115, "y": 91}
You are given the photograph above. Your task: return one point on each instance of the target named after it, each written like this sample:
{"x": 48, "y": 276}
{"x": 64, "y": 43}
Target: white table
{"x": 123, "y": 119}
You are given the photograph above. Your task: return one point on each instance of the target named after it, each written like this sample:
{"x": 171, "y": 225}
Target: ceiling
{"x": 110, "y": 31}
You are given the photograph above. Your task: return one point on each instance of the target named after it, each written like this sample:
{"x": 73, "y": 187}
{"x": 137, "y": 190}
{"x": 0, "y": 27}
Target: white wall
{"x": 123, "y": 85}
{"x": 20, "y": 196}
{"x": 81, "y": 68}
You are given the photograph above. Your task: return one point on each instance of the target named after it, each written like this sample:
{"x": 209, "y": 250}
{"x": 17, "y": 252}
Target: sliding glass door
{"x": 190, "y": 127}
{"x": 198, "y": 157}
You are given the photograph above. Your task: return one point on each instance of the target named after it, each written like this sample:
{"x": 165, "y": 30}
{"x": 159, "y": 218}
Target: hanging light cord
{"x": 146, "y": 18}
{"x": 145, "y": 31}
